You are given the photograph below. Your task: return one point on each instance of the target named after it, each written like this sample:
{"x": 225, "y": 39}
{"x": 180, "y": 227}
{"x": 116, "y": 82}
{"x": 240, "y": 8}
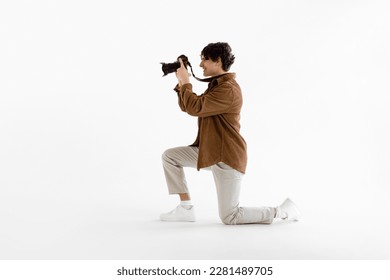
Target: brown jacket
{"x": 218, "y": 112}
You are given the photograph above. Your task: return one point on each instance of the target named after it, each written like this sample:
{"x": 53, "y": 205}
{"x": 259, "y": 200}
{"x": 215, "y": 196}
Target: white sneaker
{"x": 179, "y": 214}
{"x": 287, "y": 211}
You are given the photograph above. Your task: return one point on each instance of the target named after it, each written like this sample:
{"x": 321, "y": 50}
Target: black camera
{"x": 172, "y": 67}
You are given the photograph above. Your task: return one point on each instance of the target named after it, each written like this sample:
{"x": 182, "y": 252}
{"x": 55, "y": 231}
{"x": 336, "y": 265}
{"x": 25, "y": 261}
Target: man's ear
{"x": 219, "y": 61}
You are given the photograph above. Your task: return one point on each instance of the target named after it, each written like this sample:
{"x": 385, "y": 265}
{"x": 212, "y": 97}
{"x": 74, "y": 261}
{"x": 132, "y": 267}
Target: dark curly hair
{"x": 221, "y": 50}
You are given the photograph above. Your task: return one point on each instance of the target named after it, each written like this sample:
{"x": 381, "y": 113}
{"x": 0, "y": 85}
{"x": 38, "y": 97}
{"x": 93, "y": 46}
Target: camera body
{"x": 172, "y": 67}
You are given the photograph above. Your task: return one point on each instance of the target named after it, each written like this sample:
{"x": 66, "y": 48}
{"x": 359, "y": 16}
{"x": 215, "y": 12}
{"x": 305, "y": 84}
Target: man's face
{"x": 210, "y": 68}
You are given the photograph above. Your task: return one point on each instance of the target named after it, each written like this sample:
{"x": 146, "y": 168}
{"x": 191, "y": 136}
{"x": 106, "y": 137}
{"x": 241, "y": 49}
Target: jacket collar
{"x": 222, "y": 78}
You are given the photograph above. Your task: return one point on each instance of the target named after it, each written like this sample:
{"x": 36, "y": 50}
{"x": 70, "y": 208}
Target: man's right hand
{"x": 182, "y": 74}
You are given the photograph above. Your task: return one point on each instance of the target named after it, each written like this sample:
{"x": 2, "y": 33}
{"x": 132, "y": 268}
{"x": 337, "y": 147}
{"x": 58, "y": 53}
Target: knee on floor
{"x": 228, "y": 219}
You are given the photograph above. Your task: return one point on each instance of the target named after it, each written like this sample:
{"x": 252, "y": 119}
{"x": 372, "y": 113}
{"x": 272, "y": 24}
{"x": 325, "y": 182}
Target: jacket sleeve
{"x": 181, "y": 105}
{"x": 216, "y": 101}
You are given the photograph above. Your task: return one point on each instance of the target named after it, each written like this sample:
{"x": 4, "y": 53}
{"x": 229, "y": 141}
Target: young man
{"x": 219, "y": 147}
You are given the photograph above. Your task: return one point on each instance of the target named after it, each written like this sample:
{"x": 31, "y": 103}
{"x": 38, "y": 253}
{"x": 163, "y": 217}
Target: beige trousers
{"x": 227, "y": 182}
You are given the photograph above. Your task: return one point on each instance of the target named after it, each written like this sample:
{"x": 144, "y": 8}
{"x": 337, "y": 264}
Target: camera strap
{"x": 206, "y": 80}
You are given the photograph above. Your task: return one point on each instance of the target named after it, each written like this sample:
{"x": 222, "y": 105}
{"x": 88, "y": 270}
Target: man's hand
{"x": 182, "y": 74}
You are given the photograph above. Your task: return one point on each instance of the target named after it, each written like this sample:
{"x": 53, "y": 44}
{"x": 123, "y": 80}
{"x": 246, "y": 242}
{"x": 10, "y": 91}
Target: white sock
{"x": 186, "y": 204}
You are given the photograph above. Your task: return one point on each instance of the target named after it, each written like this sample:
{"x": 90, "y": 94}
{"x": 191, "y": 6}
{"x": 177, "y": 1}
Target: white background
{"x": 85, "y": 116}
